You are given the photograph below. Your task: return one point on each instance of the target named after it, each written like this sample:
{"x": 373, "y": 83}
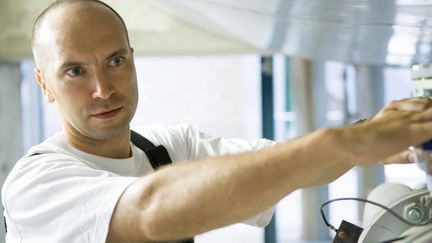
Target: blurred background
{"x": 245, "y": 69}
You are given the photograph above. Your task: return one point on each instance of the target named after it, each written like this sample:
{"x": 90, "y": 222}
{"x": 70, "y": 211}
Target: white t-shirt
{"x": 58, "y": 194}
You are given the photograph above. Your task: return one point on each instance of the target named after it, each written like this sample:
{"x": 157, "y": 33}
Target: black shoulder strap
{"x": 158, "y": 155}
{"x": 4, "y": 220}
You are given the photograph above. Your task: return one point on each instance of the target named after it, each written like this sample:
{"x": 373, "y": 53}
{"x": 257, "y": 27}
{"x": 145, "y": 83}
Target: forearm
{"x": 195, "y": 197}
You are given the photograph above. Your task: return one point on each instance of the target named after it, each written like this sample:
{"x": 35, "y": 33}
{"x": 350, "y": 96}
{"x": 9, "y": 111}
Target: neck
{"x": 116, "y": 147}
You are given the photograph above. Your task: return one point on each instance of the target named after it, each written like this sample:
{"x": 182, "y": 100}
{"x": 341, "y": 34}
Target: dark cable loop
{"x": 364, "y": 201}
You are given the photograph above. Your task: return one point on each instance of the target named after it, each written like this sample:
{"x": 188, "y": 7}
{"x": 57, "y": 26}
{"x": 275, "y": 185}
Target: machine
{"x": 413, "y": 205}
{"x": 395, "y": 212}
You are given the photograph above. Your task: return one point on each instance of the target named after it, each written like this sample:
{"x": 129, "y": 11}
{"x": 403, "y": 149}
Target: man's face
{"x": 87, "y": 67}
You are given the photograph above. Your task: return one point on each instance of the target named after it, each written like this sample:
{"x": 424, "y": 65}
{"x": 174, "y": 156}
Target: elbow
{"x": 150, "y": 224}
{"x": 156, "y": 221}
{"x": 144, "y": 214}
{"x": 157, "y": 226}
{"x": 148, "y": 212}
{"x": 139, "y": 213}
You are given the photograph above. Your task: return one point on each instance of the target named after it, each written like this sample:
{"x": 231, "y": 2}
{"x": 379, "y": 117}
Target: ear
{"x": 43, "y": 85}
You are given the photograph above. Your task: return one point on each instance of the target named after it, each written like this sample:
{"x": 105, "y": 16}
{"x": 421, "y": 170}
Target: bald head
{"x": 85, "y": 65}
{"x": 65, "y": 11}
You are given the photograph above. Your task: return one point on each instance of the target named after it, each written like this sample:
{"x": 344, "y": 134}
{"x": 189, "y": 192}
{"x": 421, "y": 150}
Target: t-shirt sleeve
{"x": 262, "y": 219}
{"x": 54, "y": 198}
{"x": 202, "y": 145}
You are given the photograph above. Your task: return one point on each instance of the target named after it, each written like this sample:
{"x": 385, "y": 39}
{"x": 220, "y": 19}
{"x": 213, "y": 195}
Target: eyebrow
{"x": 120, "y": 52}
{"x": 67, "y": 65}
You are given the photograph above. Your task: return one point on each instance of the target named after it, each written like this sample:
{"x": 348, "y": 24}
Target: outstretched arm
{"x": 182, "y": 200}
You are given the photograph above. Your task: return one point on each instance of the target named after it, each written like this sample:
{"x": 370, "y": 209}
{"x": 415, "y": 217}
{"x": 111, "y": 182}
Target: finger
{"x": 395, "y": 113}
{"x": 421, "y": 117}
{"x": 403, "y": 157}
{"x": 410, "y": 104}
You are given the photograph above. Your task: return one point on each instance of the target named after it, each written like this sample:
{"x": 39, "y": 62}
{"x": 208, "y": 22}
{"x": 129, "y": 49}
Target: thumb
{"x": 403, "y": 157}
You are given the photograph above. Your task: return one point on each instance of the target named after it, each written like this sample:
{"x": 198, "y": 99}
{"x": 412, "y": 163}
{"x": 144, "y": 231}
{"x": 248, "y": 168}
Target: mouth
{"x": 107, "y": 114}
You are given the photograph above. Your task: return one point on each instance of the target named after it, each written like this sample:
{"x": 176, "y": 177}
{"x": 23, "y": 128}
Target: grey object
{"x": 415, "y": 213}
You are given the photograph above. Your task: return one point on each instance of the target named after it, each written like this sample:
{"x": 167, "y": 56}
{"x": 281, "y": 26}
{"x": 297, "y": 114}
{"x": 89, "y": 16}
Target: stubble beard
{"x": 109, "y": 132}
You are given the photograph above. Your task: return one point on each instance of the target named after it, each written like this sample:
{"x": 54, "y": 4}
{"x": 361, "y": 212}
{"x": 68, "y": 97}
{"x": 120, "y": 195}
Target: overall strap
{"x": 4, "y": 220}
{"x": 158, "y": 156}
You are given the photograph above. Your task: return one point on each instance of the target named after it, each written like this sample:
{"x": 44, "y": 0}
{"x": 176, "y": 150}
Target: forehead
{"x": 78, "y": 30}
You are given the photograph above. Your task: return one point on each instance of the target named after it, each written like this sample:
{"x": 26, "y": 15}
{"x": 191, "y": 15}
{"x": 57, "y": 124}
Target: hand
{"x": 409, "y": 104}
{"x": 395, "y": 108}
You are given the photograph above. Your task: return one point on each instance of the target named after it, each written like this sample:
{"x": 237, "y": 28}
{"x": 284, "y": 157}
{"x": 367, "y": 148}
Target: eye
{"x": 75, "y": 71}
{"x": 116, "y": 61}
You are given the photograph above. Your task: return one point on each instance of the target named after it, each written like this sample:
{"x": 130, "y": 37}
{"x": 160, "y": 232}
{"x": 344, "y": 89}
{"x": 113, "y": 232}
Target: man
{"x": 91, "y": 184}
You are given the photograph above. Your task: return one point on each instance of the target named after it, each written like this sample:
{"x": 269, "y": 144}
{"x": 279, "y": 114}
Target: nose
{"x": 102, "y": 87}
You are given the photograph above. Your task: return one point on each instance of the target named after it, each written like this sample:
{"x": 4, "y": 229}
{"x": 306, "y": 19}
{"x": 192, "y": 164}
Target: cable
{"x": 364, "y": 201}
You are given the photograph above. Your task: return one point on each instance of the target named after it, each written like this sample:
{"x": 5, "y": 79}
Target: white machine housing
{"x": 415, "y": 206}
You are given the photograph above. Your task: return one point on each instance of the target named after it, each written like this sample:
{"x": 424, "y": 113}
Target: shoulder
{"x": 41, "y": 164}
{"x": 160, "y": 130}
{"x": 56, "y": 144}
{"x": 41, "y": 182}
{"x": 175, "y": 135}
{"x": 176, "y": 138}
{"x": 38, "y": 167}
{"x": 32, "y": 177}
{"x": 49, "y": 152}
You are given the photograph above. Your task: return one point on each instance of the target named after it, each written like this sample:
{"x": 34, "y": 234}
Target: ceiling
{"x": 375, "y": 32}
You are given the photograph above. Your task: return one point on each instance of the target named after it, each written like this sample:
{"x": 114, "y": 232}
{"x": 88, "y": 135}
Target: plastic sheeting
{"x": 375, "y": 32}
